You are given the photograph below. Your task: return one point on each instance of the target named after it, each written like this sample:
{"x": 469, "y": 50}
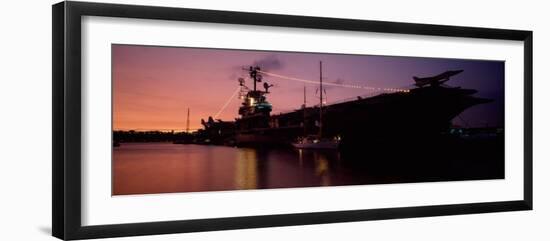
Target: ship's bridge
{"x": 255, "y": 103}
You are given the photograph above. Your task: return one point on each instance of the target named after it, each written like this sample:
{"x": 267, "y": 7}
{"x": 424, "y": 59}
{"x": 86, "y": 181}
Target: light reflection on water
{"x": 140, "y": 168}
{"x": 246, "y": 170}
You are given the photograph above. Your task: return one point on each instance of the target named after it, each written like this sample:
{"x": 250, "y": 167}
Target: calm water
{"x": 140, "y": 168}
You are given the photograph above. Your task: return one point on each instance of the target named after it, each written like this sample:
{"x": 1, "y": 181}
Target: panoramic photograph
{"x": 187, "y": 119}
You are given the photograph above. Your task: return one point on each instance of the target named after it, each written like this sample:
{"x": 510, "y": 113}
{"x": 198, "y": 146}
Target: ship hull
{"x": 282, "y": 136}
{"x": 252, "y": 139}
{"x": 419, "y": 115}
{"x": 321, "y": 145}
{"x": 401, "y": 117}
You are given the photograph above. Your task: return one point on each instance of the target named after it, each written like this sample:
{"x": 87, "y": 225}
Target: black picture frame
{"x": 66, "y": 157}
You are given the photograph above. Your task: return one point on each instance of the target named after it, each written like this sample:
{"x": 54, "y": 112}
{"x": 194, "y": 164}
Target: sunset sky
{"x": 154, "y": 86}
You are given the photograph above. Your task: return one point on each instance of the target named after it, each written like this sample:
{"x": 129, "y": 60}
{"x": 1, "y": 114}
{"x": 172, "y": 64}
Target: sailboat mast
{"x": 187, "y": 125}
{"x": 304, "y": 107}
{"x": 321, "y": 98}
{"x": 304, "y": 96}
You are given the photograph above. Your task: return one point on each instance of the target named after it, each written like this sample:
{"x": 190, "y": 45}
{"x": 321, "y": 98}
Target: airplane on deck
{"x": 436, "y": 80}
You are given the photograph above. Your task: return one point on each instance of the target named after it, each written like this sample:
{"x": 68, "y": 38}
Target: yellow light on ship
{"x": 252, "y": 101}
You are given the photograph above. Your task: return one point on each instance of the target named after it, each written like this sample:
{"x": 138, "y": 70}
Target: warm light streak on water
{"x": 144, "y": 168}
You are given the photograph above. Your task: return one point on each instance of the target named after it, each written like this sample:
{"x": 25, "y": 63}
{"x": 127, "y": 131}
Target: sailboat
{"x": 317, "y": 141}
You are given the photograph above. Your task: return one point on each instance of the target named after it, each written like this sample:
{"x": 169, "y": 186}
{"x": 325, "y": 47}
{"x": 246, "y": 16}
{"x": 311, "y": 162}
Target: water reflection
{"x": 162, "y": 167}
{"x": 246, "y": 170}
{"x": 322, "y": 169}
{"x": 301, "y": 157}
{"x": 141, "y": 168}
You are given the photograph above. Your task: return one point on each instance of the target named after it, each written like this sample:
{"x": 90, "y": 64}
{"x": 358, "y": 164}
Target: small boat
{"x": 314, "y": 142}
{"x": 317, "y": 141}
